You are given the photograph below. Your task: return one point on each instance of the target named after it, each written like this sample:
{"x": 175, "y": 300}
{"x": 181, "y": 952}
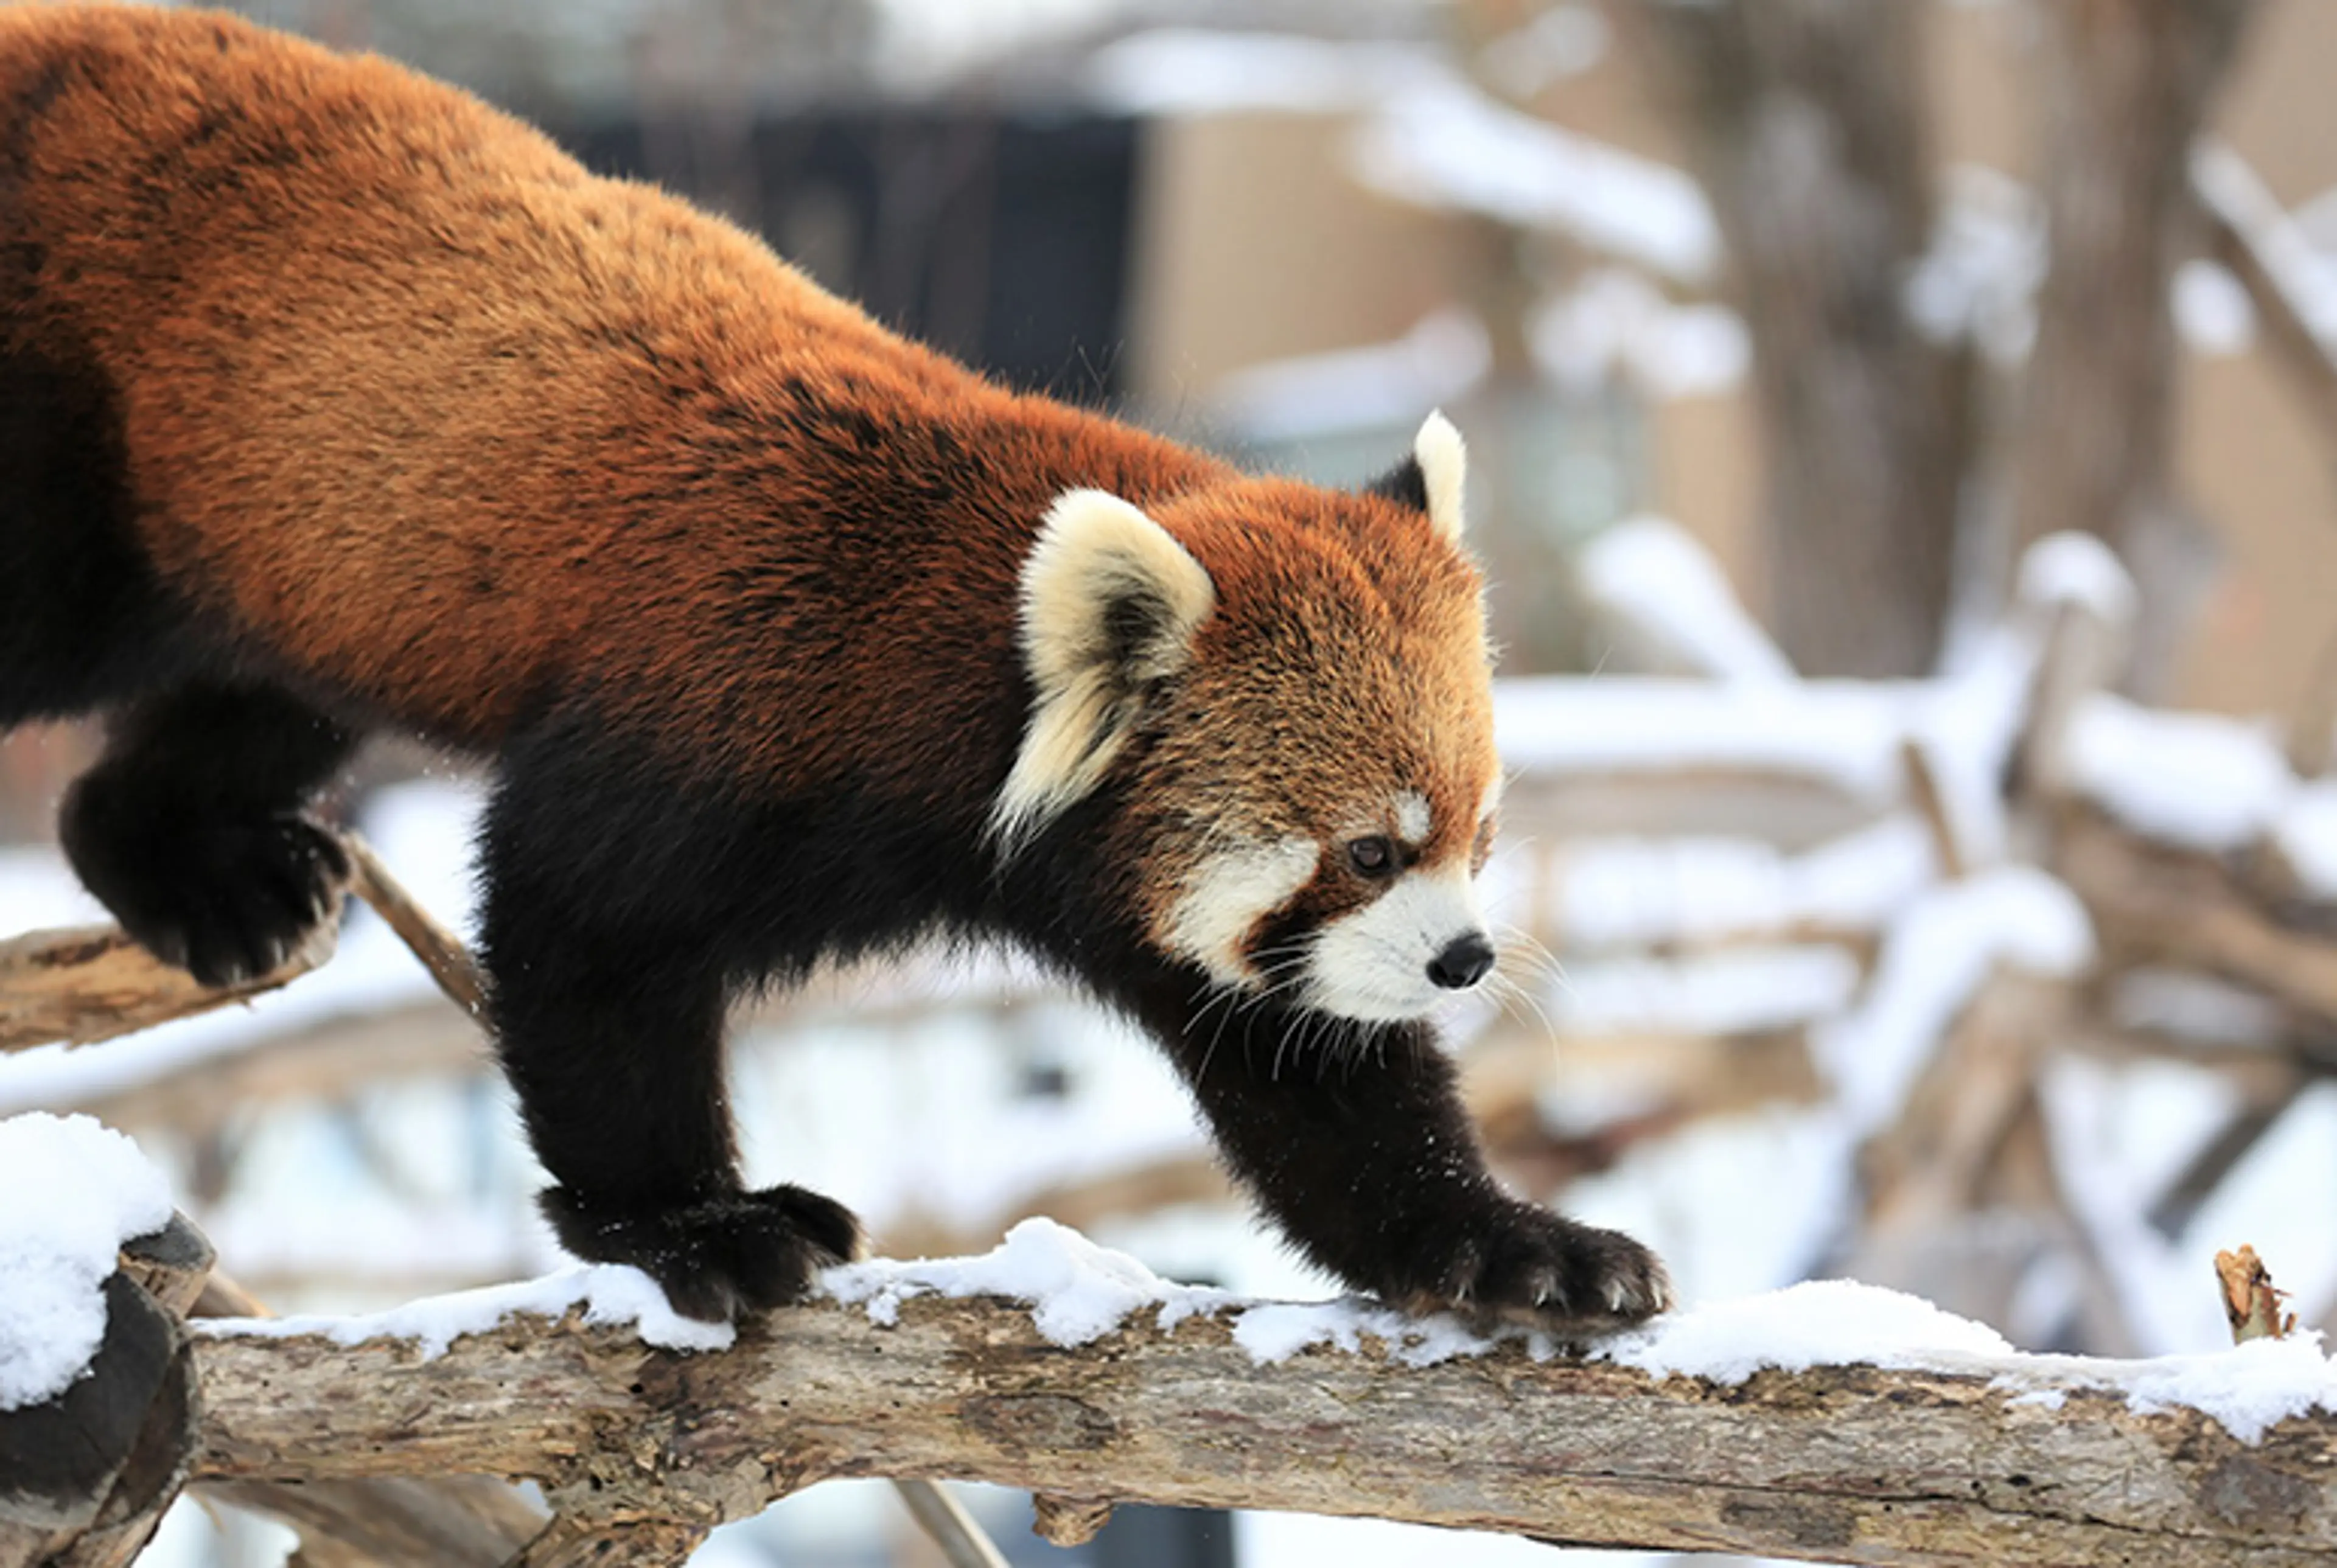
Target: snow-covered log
{"x": 1851, "y": 1463}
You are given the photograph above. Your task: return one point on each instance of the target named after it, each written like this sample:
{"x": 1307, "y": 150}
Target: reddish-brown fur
{"x": 305, "y": 387}
{"x": 308, "y": 400}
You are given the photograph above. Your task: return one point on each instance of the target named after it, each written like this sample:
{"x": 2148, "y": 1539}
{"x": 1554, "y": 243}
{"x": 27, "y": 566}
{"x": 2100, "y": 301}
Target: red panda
{"x": 332, "y": 400}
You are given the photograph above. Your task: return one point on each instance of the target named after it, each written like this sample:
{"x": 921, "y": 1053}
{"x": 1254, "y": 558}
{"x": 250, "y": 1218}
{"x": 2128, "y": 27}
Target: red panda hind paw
{"x": 719, "y": 1257}
{"x": 227, "y": 901}
{"x": 1541, "y": 1270}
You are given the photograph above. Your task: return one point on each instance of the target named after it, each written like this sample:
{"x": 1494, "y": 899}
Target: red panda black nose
{"x": 1462, "y": 963}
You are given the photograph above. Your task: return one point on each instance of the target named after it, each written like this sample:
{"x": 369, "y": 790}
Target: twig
{"x": 1931, "y": 805}
{"x": 2277, "y": 266}
{"x": 2150, "y": 904}
{"x": 949, "y": 1526}
{"x": 442, "y": 952}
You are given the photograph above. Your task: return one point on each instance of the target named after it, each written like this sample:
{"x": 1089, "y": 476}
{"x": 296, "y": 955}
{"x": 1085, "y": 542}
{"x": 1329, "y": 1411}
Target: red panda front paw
{"x": 1525, "y": 1265}
{"x": 739, "y": 1252}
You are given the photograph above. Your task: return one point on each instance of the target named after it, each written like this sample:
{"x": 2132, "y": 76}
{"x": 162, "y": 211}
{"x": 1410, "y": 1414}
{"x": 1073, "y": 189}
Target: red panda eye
{"x": 1372, "y": 857}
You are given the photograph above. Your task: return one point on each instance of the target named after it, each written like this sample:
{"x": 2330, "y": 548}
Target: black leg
{"x": 608, "y": 1008}
{"x": 1354, "y": 1140}
{"x": 190, "y": 827}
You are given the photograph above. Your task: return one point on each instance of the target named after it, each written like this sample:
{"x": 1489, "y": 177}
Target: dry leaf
{"x": 2251, "y": 1301}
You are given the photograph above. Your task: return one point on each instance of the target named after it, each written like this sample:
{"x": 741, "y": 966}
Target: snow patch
{"x": 2212, "y": 310}
{"x": 2203, "y": 782}
{"x": 1443, "y": 143}
{"x": 1615, "y": 322}
{"x": 1079, "y": 1291}
{"x": 1564, "y": 41}
{"x": 1191, "y": 71}
{"x": 611, "y": 1294}
{"x": 1934, "y": 959}
{"x": 1978, "y": 279}
{"x": 74, "y": 1192}
{"x": 1276, "y": 1332}
{"x": 1633, "y": 892}
{"x": 1816, "y": 1323}
{"x": 2249, "y": 1389}
{"x": 2197, "y": 780}
{"x": 2306, "y": 835}
{"x": 1654, "y": 575}
{"x": 1386, "y": 383}
{"x": 1846, "y": 734}
{"x": 2071, "y": 567}
{"x": 1739, "y": 992}
{"x": 2300, "y": 270}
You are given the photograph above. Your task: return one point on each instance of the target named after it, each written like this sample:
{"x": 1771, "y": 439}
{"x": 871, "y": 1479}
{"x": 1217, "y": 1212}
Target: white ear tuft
{"x": 1110, "y": 604}
{"x": 1443, "y": 465}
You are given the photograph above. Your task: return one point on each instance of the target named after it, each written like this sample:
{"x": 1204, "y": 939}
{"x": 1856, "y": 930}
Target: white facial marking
{"x": 1228, "y": 892}
{"x": 1413, "y": 819}
{"x": 1492, "y": 800}
{"x": 1373, "y": 964}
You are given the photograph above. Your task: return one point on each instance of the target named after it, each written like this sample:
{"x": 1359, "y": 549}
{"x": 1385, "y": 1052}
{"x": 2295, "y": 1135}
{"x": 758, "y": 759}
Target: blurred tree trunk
{"x": 2126, "y": 86}
{"x": 1807, "y": 123}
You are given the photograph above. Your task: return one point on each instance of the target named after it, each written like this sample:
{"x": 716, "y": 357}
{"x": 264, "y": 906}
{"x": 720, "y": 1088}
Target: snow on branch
{"x": 1830, "y": 1421}
{"x": 2287, "y": 280}
{"x": 1118, "y": 1389}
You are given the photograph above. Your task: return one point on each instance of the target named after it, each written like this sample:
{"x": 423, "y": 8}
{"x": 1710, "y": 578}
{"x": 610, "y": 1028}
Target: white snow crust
{"x": 1934, "y": 957}
{"x": 609, "y": 1293}
{"x": 1635, "y": 891}
{"x": 1653, "y": 575}
{"x": 2204, "y": 782}
{"x": 2196, "y": 780}
{"x": 2077, "y": 569}
{"x": 71, "y": 1192}
{"x": 1079, "y": 1291}
{"x": 1428, "y": 135}
{"x": 1842, "y": 732}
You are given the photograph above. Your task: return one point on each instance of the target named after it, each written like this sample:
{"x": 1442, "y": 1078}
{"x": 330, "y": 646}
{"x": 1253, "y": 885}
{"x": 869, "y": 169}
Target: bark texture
{"x": 1842, "y": 1464}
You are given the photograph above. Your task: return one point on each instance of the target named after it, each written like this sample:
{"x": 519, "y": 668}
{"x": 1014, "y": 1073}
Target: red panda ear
{"x": 1110, "y": 605}
{"x": 1431, "y": 479}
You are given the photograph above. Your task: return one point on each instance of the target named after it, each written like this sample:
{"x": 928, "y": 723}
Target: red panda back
{"x": 416, "y": 405}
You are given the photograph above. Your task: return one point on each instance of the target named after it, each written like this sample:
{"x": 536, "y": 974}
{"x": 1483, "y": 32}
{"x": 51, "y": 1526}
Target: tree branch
{"x": 1845, "y": 1463}
{"x": 85, "y": 984}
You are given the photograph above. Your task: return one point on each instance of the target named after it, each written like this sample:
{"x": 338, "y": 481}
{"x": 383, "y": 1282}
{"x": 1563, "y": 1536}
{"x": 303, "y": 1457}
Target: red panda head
{"x": 1297, "y": 684}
